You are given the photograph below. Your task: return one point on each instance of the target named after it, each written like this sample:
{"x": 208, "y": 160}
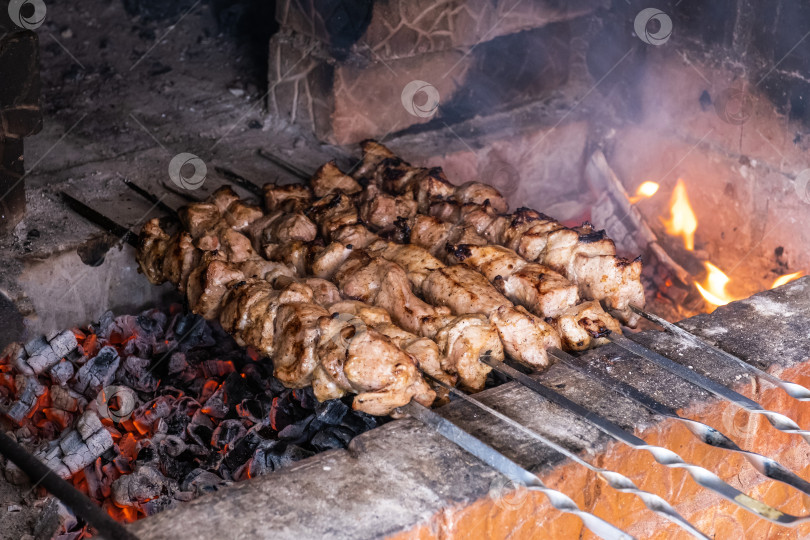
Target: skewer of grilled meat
{"x": 378, "y": 275}
{"x": 542, "y": 291}
{"x": 287, "y": 324}
{"x": 587, "y": 257}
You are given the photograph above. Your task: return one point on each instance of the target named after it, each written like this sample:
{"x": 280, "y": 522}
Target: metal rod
{"x": 72, "y": 497}
{"x": 512, "y": 470}
{"x": 777, "y": 420}
{"x": 101, "y": 220}
{"x": 662, "y": 455}
{"x": 706, "y": 434}
{"x": 240, "y": 180}
{"x": 280, "y": 163}
{"x": 149, "y": 197}
{"x": 614, "y": 479}
{"x": 794, "y": 390}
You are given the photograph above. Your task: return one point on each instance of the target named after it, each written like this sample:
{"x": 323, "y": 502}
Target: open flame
{"x": 644, "y": 191}
{"x": 682, "y": 221}
{"x": 714, "y": 291}
{"x": 787, "y": 278}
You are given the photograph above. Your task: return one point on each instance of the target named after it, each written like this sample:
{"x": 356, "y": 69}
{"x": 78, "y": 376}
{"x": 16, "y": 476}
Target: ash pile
{"x": 144, "y": 412}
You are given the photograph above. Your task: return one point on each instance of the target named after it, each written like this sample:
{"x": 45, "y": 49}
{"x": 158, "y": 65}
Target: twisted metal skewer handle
{"x": 614, "y": 479}
{"x": 794, "y": 390}
{"x": 706, "y": 434}
{"x": 512, "y": 470}
{"x": 664, "y": 456}
{"x": 777, "y": 420}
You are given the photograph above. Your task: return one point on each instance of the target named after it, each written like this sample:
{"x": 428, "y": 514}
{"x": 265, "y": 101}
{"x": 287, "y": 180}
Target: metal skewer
{"x": 777, "y": 420}
{"x": 794, "y": 390}
{"x": 614, "y": 479}
{"x": 662, "y": 455}
{"x": 512, "y": 470}
{"x": 706, "y": 434}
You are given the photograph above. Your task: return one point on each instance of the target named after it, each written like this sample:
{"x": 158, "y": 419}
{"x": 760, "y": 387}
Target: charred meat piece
{"x": 287, "y": 198}
{"x": 586, "y": 325}
{"x": 152, "y": 245}
{"x": 329, "y": 179}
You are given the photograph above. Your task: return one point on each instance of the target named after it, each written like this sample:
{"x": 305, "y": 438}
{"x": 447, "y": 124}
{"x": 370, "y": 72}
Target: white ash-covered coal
{"x": 143, "y": 412}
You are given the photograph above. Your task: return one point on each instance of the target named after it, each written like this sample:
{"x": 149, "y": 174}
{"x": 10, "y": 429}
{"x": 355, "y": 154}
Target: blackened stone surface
{"x": 402, "y": 474}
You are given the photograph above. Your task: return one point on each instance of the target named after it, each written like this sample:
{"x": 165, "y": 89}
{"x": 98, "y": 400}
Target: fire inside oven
{"x": 381, "y": 268}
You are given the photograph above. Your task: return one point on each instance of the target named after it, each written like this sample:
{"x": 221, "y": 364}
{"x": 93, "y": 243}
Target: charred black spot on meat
{"x": 459, "y": 251}
{"x": 593, "y": 236}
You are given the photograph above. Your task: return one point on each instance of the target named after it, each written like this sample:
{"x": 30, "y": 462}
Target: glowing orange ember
{"x": 683, "y": 221}
{"x": 644, "y": 191}
{"x": 787, "y": 278}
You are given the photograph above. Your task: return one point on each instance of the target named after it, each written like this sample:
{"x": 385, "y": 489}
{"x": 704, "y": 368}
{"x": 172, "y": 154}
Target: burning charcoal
{"x": 250, "y": 409}
{"x": 295, "y": 431}
{"x": 41, "y": 356}
{"x": 152, "y": 322}
{"x": 64, "y": 343}
{"x": 307, "y": 398}
{"x": 173, "y": 445}
{"x": 359, "y": 422}
{"x": 143, "y": 485}
{"x": 28, "y": 392}
{"x": 200, "y": 434}
{"x": 54, "y": 517}
{"x": 103, "y": 327}
{"x": 190, "y": 331}
{"x": 269, "y": 458}
{"x": 66, "y": 399}
{"x": 62, "y": 372}
{"x": 227, "y": 432}
{"x": 215, "y": 405}
{"x": 201, "y": 482}
{"x": 16, "y": 353}
{"x": 331, "y": 412}
{"x": 177, "y": 363}
{"x": 332, "y": 437}
{"x": 82, "y": 446}
{"x": 98, "y": 372}
{"x": 241, "y": 451}
{"x": 138, "y": 375}
{"x": 36, "y": 345}
{"x": 236, "y": 388}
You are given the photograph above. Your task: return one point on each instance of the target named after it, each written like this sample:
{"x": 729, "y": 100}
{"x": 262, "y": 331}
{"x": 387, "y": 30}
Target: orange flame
{"x": 683, "y": 221}
{"x": 714, "y": 291}
{"x": 644, "y": 191}
{"x": 787, "y": 278}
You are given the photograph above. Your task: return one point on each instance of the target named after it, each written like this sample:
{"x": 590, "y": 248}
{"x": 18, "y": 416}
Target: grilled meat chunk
{"x": 152, "y": 245}
{"x": 329, "y": 179}
{"x": 287, "y": 198}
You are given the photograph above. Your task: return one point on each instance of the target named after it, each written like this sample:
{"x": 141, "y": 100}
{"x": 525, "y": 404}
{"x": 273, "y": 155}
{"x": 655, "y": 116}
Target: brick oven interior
{"x": 680, "y": 128}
